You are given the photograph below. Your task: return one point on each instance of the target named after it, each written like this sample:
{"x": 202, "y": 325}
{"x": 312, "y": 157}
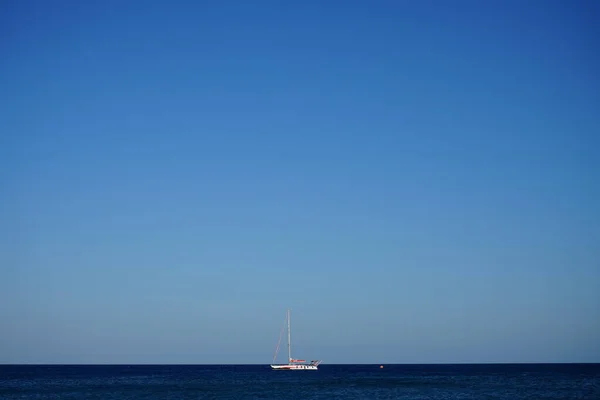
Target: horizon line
{"x": 257, "y": 364}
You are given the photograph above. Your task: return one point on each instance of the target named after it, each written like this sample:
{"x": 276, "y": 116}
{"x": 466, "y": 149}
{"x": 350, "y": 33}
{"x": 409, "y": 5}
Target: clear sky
{"x": 419, "y": 181}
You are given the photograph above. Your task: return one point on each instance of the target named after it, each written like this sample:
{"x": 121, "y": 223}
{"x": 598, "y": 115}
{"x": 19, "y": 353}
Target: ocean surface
{"x": 481, "y": 381}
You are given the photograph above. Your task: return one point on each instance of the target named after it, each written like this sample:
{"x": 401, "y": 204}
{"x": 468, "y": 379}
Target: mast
{"x": 289, "y": 338}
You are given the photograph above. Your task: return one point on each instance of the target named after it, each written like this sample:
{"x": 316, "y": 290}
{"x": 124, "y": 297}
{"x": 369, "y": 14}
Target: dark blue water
{"x": 533, "y": 381}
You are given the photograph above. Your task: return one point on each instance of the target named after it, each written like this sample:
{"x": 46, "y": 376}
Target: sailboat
{"x": 293, "y": 364}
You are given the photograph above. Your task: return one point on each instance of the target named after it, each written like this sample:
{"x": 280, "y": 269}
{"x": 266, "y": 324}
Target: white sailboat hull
{"x": 295, "y": 367}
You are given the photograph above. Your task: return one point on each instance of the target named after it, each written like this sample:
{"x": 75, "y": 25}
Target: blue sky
{"x": 418, "y": 181}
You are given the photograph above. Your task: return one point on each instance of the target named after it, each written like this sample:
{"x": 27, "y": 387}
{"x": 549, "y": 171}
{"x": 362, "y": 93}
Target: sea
{"x": 476, "y": 381}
